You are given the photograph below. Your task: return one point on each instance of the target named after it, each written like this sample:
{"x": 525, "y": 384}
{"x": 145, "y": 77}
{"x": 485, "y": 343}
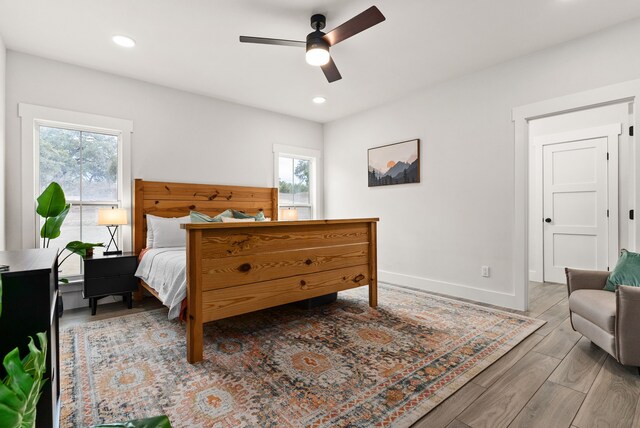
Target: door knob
{"x": 547, "y": 220}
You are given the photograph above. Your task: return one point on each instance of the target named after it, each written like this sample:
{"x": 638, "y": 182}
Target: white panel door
{"x": 575, "y": 207}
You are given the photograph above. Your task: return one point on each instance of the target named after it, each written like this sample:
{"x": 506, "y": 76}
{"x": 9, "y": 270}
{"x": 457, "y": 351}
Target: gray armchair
{"x": 610, "y": 320}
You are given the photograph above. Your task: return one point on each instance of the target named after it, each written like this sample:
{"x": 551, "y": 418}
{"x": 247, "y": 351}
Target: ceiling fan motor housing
{"x": 315, "y": 41}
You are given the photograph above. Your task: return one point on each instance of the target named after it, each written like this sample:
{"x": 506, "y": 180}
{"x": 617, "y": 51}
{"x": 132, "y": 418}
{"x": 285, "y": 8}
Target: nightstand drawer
{"x": 94, "y": 287}
{"x": 110, "y": 266}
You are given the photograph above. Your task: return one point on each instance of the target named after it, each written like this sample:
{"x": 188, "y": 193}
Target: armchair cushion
{"x": 626, "y": 272}
{"x": 596, "y": 306}
{"x": 604, "y": 340}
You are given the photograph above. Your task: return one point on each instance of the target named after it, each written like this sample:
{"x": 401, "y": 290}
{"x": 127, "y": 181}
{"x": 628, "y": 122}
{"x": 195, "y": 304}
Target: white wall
{"x": 178, "y": 136}
{"x": 591, "y": 118}
{"x": 437, "y": 234}
{"x": 3, "y": 56}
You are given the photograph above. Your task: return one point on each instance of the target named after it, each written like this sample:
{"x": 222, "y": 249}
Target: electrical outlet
{"x": 485, "y": 271}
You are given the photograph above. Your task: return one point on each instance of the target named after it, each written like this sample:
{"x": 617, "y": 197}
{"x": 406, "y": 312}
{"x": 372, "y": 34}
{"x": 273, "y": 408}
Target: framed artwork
{"x": 397, "y": 163}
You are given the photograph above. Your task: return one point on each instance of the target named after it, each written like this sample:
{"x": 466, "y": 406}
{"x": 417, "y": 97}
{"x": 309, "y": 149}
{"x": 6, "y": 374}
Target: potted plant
{"x": 53, "y": 208}
{"x": 21, "y": 388}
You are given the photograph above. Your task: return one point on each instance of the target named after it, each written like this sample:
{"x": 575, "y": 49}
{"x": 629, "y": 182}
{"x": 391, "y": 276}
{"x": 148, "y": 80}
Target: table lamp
{"x": 112, "y": 218}
{"x": 289, "y": 214}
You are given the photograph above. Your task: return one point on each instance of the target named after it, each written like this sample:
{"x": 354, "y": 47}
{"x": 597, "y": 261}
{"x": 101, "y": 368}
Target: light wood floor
{"x": 553, "y": 379}
{"x": 77, "y": 316}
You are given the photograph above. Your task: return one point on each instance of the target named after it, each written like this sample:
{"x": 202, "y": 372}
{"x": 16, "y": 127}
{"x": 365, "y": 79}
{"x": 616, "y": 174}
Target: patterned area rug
{"x": 344, "y": 364}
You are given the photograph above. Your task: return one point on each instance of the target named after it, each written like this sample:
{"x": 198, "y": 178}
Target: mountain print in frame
{"x": 397, "y": 163}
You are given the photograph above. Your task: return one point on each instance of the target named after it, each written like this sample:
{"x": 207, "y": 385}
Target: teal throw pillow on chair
{"x": 626, "y": 272}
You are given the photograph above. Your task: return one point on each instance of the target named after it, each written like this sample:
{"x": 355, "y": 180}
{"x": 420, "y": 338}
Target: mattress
{"x": 165, "y": 270}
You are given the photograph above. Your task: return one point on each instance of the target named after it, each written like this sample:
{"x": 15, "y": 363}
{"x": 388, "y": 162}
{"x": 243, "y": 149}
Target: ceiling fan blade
{"x": 358, "y": 23}
{"x": 266, "y": 41}
{"x": 331, "y": 71}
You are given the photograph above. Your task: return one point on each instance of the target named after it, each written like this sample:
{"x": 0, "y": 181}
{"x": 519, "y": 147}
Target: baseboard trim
{"x": 534, "y": 276}
{"x": 496, "y": 298}
{"x": 72, "y": 297}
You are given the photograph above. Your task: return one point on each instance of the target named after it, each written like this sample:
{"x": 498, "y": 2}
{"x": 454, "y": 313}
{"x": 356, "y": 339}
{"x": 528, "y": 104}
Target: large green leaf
{"x": 52, "y": 201}
{"x": 51, "y": 227}
{"x": 79, "y": 247}
{"x": 21, "y": 389}
{"x": 154, "y": 422}
{"x": 10, "y": 415}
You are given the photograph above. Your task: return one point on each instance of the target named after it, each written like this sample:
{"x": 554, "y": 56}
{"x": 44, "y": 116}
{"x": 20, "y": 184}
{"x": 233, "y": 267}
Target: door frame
{"x": 627, "y": 92}
{"x": 612, "y": 133}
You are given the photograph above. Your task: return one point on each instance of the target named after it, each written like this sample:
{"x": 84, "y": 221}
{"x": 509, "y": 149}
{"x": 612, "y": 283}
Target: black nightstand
{"x": 109, "y": 275}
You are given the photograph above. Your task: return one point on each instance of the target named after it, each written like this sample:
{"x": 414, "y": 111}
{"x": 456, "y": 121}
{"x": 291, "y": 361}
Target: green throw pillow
{"x": 239, "y": 214}
{"x": 626, "y": 272}
{"x": 197, "y": 217}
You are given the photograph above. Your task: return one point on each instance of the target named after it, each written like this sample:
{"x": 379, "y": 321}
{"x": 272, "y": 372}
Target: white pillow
{"x": 165, "y": 232}
{"x": 237, "y": 220}
{"x": 149, "y": 231}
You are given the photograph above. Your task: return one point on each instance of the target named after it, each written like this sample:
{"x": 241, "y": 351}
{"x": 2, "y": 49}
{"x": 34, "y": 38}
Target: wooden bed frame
{"x": 236, "y": 268}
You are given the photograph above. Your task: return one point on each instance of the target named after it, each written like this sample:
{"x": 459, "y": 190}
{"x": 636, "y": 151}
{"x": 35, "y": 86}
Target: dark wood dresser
{"x": 29, "y": 306}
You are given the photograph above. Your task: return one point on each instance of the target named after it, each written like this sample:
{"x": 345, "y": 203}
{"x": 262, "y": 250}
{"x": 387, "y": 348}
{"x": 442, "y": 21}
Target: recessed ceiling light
{"x": 124, "y": 41}
{"x": 319, "y": 100}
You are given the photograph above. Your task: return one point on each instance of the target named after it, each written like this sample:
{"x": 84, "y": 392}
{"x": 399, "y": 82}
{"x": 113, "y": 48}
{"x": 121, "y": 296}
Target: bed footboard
{"x": 236, "y": 268}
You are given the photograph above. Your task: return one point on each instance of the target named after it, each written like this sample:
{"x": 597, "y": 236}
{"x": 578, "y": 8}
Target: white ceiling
{"x": 193, "y": 44}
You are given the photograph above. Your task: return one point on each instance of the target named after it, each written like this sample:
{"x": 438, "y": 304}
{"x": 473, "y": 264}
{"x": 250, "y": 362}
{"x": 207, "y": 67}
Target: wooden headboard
{"x": 165, "y": 199}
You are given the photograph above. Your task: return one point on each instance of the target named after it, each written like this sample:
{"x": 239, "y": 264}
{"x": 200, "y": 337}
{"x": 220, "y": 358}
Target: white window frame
{"x": 32, "y": 117}
{"x": 313, "y": 156}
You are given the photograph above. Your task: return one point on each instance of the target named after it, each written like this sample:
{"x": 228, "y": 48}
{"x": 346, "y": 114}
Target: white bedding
{"x": 165, "y": 270}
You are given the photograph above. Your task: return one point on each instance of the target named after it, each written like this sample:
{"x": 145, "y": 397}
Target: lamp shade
{"x": 112, "y": 216}
{"x": 290, "y": 214}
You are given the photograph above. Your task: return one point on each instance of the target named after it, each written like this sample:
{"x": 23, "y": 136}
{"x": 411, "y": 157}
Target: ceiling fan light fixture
{"x": 317, "y": 49}
{"x": 317, "y": 56}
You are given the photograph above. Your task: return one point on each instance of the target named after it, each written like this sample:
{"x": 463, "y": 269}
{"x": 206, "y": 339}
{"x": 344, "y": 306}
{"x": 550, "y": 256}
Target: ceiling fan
{"x": 318, "y": 43}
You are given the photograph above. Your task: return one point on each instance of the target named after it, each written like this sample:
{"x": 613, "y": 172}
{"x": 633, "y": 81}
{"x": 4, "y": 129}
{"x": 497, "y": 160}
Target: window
{"x": 85, "y": 164}
{"x": 90, "y": 157}
{"x": 293, "y": 186}
{"x": 295, "y": 179}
